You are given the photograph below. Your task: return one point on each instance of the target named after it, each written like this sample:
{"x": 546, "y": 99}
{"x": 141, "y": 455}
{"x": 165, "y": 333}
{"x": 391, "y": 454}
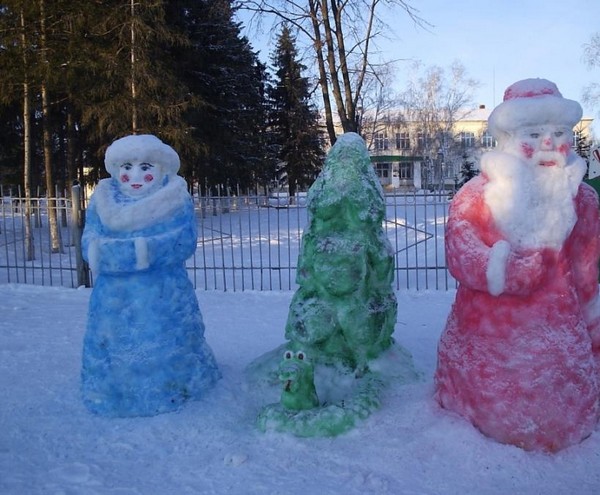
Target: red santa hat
{"x": 532, "y": 102}
{"x": 143, "y": 148}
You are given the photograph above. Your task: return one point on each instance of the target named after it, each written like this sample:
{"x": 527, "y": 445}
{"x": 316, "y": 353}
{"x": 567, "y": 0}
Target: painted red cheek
{"x": 564, "y": 148}
{"x": 125, "y": 178}
{"x": 527, "y": 150}
{"x": 148, "y": 178}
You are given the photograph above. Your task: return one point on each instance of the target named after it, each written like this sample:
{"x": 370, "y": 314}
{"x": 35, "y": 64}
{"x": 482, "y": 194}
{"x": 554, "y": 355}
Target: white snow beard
{"x": 532, "y": 204}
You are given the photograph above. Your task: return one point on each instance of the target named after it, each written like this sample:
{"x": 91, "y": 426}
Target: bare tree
{"x": 591, "y": 55}
{"x": 378, "y": 105}
{"x": 435, "y": 98}
{"x": 343, "y": 35}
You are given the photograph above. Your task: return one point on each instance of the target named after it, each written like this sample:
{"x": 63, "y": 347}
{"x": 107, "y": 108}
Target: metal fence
{"x": 40, "y": 263}
{"x": 245, "y": 242}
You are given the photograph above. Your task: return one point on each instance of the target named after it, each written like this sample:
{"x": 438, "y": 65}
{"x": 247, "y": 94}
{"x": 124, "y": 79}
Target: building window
{"x": 402, "y": 141}
{"x": 421, "y": 140}
{"x": 382, "y": 170}
{"x": 405, "y": 170}
{"x": 467, "y": 139}
{"x": 487, "y": 140}
{"x": 381, "y": 141}
{"x": 448, "y": 171}
{"x": 447, "y": 139}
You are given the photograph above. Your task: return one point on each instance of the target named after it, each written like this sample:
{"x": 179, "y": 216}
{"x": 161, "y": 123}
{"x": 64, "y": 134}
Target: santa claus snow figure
{"x": 520, "y": 354}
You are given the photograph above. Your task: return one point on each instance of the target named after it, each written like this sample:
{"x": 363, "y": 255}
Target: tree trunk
{"x": 47, "y": 140}
{"x": 333, "y": 68}
{"x": 318, "y": 45}
{"x": 70, "y": 151}
{"x": 29, "y": 245}
{"x": 349, "y": 103}
{"x": 134, "y": 117}
{"x": 50, "y": 193}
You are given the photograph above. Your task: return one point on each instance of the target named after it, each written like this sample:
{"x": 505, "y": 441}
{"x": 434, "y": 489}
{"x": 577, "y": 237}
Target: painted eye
{"x": 288, "y": 355}
{"x": 126, "y": 166}
{"x": 301, "y": 355}
{"x": 558, "y": 133}
{"x": 534, "y": 135}
{"x": 146, "y": 166}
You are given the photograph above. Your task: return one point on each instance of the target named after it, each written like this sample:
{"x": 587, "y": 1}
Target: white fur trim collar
{"x": 121, "y": 213}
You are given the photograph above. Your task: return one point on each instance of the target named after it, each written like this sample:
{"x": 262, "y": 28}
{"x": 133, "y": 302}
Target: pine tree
{"x": 122, "y": 78}
{"x": 94, "y": 71}
{"x": 220, "y": 68}
{"x": 15, "y": 69}
{"x": 582, "y": 147}
{"x": 467, "y": 170}
{"x": 294, "y": 119}
{"x": 179, "y": 69}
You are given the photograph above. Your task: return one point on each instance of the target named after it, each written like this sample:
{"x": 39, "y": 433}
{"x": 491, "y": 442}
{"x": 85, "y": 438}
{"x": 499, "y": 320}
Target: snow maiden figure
{"x": 144, "y": 351}
{"x": 520, "y": 353}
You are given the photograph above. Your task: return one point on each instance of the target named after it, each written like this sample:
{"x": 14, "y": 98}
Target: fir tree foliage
{"x": 582, "y": 147}
{"x": 467, "y": 170}
{"x": 138, "y": 90}
{"x": 294, "y": 118}
{"x": 179, "y": 69}
{"x": 219, "y": 65}
{"x": 582, "y": 144}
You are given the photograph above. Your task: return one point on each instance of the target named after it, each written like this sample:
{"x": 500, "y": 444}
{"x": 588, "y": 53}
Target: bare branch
{"x": 342, "y": 34}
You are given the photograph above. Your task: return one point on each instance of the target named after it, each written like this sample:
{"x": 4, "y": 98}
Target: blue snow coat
{"x": 144, "y": 351}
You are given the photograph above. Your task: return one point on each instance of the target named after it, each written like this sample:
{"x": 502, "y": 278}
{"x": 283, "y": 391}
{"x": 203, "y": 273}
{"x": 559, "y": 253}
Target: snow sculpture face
{"x": 297, "y": 374}
{"x": 544, "y": 145}
{"x": 137, "y": 179}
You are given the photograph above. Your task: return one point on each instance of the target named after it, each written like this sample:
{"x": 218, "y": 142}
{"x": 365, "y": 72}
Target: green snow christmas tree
{"x": 345, "y": 309}
{"x": 339, "y": 353}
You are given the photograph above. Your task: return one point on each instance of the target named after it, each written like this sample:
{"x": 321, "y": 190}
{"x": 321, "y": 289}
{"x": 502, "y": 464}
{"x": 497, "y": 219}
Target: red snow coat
{"x": 520, "y": 365}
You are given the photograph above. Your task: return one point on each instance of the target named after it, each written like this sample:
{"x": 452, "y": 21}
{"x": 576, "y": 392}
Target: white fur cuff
{"x": 141, "y": 253}
{"x": 93, "y": 256}
{"x": 496, "y": 269}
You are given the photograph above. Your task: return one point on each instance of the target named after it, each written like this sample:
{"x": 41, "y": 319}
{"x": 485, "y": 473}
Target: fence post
{"x": 77, "y": 217}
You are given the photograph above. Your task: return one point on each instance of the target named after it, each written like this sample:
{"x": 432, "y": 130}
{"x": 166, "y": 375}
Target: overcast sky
{"x": 499, "y": 42}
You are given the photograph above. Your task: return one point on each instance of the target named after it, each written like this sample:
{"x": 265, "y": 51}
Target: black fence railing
{"x": 245, "y": 242}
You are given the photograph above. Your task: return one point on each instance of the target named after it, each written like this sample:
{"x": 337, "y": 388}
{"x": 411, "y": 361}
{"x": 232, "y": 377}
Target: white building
{"x": 406, "y": 157}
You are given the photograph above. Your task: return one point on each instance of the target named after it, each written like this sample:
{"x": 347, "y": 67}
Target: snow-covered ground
{"x": 50, "y": 444}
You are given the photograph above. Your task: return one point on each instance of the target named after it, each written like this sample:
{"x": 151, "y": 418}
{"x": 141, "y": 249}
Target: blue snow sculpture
{"x": 144, "y": 351}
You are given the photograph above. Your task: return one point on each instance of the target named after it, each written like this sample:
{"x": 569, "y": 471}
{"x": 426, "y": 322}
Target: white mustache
{"x": 549, "y": 156}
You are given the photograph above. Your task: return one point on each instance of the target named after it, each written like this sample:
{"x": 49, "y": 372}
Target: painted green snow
{"x": 345, "y": 308}
{"x": 297, "y": 375}
{"x": 327, "y": 420}
{"x": 344, "y": 312}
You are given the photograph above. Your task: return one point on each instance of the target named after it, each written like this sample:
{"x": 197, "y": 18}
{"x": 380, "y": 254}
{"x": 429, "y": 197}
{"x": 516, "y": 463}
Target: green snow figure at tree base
{"x": 297, "y": 374}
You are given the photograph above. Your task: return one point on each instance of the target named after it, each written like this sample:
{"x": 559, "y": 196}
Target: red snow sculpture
{"x": 520, "y": 354}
